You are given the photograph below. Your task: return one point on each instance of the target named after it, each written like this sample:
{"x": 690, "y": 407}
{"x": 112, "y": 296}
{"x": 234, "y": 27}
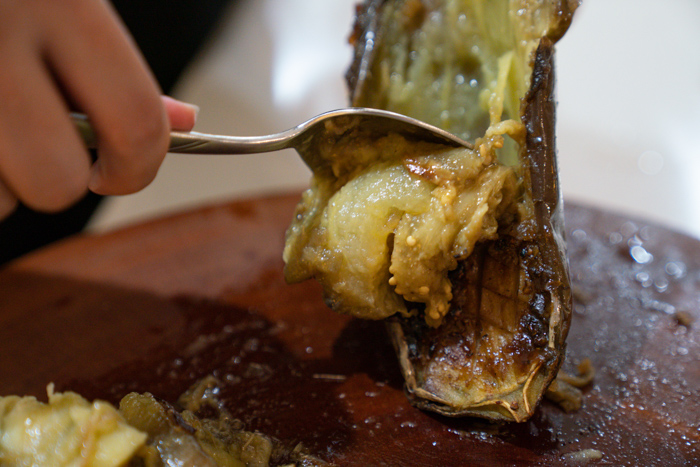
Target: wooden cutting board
{"x": 157, "y": 306}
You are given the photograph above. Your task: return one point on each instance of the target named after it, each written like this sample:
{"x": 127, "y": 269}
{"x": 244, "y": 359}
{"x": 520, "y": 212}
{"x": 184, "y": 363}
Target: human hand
{"x": 75, "y": 54}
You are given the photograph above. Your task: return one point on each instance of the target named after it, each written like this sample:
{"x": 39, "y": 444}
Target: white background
{"x": 628, "y": 115}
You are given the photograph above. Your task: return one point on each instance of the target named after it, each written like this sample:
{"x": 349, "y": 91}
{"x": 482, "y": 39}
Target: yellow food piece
{"x": 69, "y": 431}
{"x": 389, "y": 224}
{"x": 66, "y": 431}
{"x": 393, "y": 220}
{"x": 393, "y": 217}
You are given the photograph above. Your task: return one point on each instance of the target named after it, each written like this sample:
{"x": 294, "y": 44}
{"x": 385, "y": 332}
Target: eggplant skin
{"x": 504, "y": 338}
{"x": 539, "y": 115}
{"x": 460, "y": 251}
{"x": 453, "y": 369}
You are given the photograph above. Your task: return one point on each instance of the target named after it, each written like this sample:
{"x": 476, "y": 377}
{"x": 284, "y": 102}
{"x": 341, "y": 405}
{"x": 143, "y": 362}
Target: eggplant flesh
{"x": 461, "y": 251}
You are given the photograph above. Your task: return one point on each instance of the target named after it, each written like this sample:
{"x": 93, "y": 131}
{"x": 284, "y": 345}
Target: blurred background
{"x": 628, "y": 115}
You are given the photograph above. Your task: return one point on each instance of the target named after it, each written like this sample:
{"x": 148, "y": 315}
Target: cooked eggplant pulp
{"x": 459, "y": 249}
{"x": 394, "y": 220}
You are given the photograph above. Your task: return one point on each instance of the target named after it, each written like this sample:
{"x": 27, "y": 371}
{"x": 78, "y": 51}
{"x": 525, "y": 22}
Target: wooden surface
{"x": 157, "y": 306}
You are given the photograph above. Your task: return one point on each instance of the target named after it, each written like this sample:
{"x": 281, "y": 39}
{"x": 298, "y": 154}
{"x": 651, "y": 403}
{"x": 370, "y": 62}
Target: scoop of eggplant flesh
{"x": 487, "y": 337}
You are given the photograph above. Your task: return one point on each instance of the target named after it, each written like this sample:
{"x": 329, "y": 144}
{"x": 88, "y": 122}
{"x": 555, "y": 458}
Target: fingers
{"x": 77, "y": 52}
{"x": 101, "y": 72}
{"x": 8, "y": 201}
{"x": 42, "y": 160}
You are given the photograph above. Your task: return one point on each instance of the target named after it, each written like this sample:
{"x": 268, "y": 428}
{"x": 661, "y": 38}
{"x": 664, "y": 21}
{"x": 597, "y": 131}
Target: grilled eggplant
{"x": 462, "y": 251}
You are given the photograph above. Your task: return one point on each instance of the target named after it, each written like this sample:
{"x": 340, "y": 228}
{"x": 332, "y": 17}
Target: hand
{"x": 76, "y": 54}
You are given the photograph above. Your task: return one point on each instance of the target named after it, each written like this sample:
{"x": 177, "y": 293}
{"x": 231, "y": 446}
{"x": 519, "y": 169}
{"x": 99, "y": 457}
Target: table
{"x": 159, "y": 305}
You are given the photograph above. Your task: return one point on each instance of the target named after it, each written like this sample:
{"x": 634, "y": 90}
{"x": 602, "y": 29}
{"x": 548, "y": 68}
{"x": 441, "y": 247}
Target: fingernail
{"x": 176, "y": 109}
{"x": 195, "y": 109}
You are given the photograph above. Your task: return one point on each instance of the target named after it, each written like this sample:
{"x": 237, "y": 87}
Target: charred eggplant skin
{"x": 363, "y": 40}
{"x": 437, "y": 363}
{"x": 540, "y": 163}
{"x": 543, "y": 327}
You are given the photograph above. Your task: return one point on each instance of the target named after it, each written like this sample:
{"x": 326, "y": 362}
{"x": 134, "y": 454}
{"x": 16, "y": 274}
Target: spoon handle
{"x": 200, "y": 143}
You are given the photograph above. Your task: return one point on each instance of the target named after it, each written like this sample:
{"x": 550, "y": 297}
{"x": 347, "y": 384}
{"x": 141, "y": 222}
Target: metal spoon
{"x": 326, "y": 127}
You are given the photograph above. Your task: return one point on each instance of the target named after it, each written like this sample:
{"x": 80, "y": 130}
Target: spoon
{"x": 329, "y": 126}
